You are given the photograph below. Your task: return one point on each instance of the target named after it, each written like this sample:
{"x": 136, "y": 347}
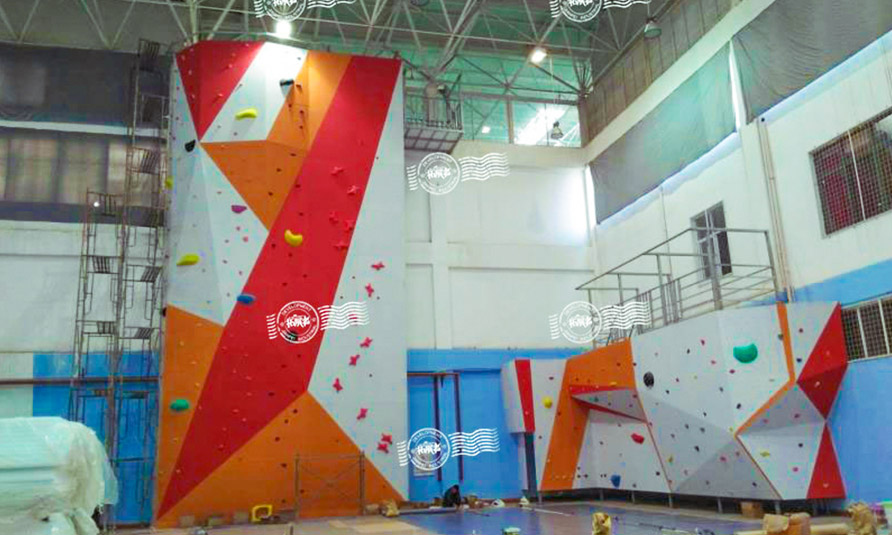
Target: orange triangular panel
{"x": 189, "y": 346}
{"x": 210, "y": 71}
{"x": 262, "y": 173}
{"x": 826, "y": 480}
{"x": 263, "y": 471}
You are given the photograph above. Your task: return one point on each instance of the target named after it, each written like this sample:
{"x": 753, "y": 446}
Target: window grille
{"x": 867, "y": 328}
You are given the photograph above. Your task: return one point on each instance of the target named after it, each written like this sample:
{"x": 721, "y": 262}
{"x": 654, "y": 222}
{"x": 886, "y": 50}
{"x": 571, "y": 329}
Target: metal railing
{"x": 688, "y": 275}
{"x": 438, "y": 112}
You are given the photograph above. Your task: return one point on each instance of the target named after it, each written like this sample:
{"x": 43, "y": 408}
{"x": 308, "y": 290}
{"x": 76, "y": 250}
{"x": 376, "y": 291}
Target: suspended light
{"x": 283, "y": 28}
{"x": 556, "y": 132}
{"x": 652, "y": 30}
{"x": 485, "y": 130}
{"x": 538, "y": 55}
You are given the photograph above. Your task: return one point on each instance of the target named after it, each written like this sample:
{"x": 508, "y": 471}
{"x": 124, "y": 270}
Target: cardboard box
{"x": 752, "y": 510}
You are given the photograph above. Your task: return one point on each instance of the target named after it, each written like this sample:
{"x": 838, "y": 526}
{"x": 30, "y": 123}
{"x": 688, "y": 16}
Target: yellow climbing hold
{"x": 247, "y": 113}
{"x": 168, "y": 182}
{"x": 547, "y": 401}
{"x": 188, "y": 260}
{"x": 294, "y": 240}
{"x": 613, "y": 383}
{"x": 765, "y": 453}
{"x": 670, "y": 459}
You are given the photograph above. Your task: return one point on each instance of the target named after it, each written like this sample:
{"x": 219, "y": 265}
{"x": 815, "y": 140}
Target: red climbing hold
{"x": 366, "y": 343}
{"x": 337, "y": 385}
{"x": 333, "y": 217}
{"x": 337, "y": 170}
{"x": 341, "y": 245}
{"x": 369, "y": 290}
{"x": 354, "y": 190}
{"x": 362, "y": 414}
{"x": 383, "y": 447}
{"x": 349, "y": 224}
{"x": 639, "y": 439}
{"x": 354, "y": 359}
{"x": 386, "y": 438}
{"x": 378, "y": 267}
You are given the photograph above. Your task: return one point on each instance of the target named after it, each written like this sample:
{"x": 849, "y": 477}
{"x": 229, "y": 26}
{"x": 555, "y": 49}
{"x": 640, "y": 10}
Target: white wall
{"x": 490, "y": 261}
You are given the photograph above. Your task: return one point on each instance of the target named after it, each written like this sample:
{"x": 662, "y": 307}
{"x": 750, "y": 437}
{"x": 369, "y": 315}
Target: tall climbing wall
{"x": 284, "y": 316}
{"x": 733, "y": 403}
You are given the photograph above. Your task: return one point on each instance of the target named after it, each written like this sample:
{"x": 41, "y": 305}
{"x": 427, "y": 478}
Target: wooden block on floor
{"x": 187, "y": 521}
{"x": 752, "y": 510}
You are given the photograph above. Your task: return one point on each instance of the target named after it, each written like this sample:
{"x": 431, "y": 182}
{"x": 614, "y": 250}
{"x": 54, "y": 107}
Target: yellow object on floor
{"x": 389, "y": 509}
{"x": 600, "y": 524}
{"x": 261, "y": 512}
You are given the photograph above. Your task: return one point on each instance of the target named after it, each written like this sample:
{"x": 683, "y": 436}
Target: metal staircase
{"x": 118, "y": 323}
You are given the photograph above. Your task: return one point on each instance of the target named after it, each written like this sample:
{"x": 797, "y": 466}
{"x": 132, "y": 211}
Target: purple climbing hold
{"x": 239, "y": 208}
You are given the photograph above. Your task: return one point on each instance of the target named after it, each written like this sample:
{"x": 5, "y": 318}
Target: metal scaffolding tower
{"x": 118, "y": 325}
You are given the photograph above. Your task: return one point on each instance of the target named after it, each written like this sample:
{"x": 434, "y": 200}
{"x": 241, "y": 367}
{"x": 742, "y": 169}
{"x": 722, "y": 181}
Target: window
{"x": 867, "y": 328}
{"x": 707, "y": 223}
{"x": 854, "y": 174}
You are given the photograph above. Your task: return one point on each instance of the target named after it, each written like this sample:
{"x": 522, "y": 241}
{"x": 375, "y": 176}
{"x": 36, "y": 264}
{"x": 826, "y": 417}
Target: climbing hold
{"x": 238, "y": 208}
{"x": 765, "y": 453}
{"x": 386, "y": 438}
{"x": 639, "y": 439}
{"x": 337, "y": 170}
{"x": 362, "y": 414}
{"x": 188, "y": 260}
{"x": 354, "y": 359}
{"x": 548, "y": 402}
{"x": 292, "y": 239}
{"x": 190, "y": 146}
{"x": 378, "y": 267}
{"x": 615, "y": 479}
{"x": 247, "y": 113}
{"x": 341, "y": 245}
{"x": 366, "y": 343}
{"x": 354, "y": 190}
{"x": 383, "y": 447}
{"x": 369, "y": 289}
{"x": 245, "y": 299}
{"x": 333, "y": 217}
{"x": 168, "y": 182}
{"x": 670, "y": 460}
{"x": 179, "y": 405}
{"x": 337, "y": 385}
{"x": 349, "y": 224}
{"x": 746, "y": 354}
{"x": 649, "y": 380}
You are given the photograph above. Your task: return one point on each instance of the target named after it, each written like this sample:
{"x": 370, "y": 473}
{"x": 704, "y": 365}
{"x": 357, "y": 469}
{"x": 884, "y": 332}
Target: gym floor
{"x": 549, "y": 519}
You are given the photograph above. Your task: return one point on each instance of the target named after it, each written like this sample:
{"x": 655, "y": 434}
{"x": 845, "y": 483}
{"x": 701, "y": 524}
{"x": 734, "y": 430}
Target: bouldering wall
{"x": 285, "y": 304}
{"x": 734, "y": 403}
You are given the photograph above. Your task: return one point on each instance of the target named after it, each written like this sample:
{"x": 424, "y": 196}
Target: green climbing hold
{"x": 179, "y": 405}
{"x": 746, "y": 354}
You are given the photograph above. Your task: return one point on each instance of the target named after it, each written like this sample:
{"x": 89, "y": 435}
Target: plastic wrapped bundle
{"x": 51, "y": 467}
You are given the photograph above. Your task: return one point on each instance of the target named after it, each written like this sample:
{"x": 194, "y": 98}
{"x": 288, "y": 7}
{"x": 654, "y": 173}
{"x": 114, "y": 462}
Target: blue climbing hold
{"x": 615, "y": 479}
{"x": 245, "y": 299}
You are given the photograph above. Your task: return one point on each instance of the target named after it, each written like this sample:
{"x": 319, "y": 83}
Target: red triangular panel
{"x": 271, "y": 374}
{"x": 826, "y": 481}
{"x": 210, "y": 70}
{"x": 826, "y": 366}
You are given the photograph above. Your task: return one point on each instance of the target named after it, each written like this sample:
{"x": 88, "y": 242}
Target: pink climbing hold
{"x": 723, "y": 459}
{"x": 383, "y": 447}
{"x": 337, "y": 385}
{"x": 378, "y": 267}
{"x": 637, "y": 438}
{"x": 386, "y": 438}
{"x": 369, "y": 289}
{"x": 354, "y": 359}
{"x": 362, "y": 414}
{"x": 239, "y": 208}
{"x": 337, "y": 170}
{"x": 366, "y": 343}
{"x": 341, "y": 245}
{"x": 354, "y": 190}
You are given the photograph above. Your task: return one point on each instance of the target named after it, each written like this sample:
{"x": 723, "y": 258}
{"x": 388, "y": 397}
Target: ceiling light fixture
{"x": 652, "y": 30}
{"x": 538, "y": 55}
{"x": 283, "y": 29}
